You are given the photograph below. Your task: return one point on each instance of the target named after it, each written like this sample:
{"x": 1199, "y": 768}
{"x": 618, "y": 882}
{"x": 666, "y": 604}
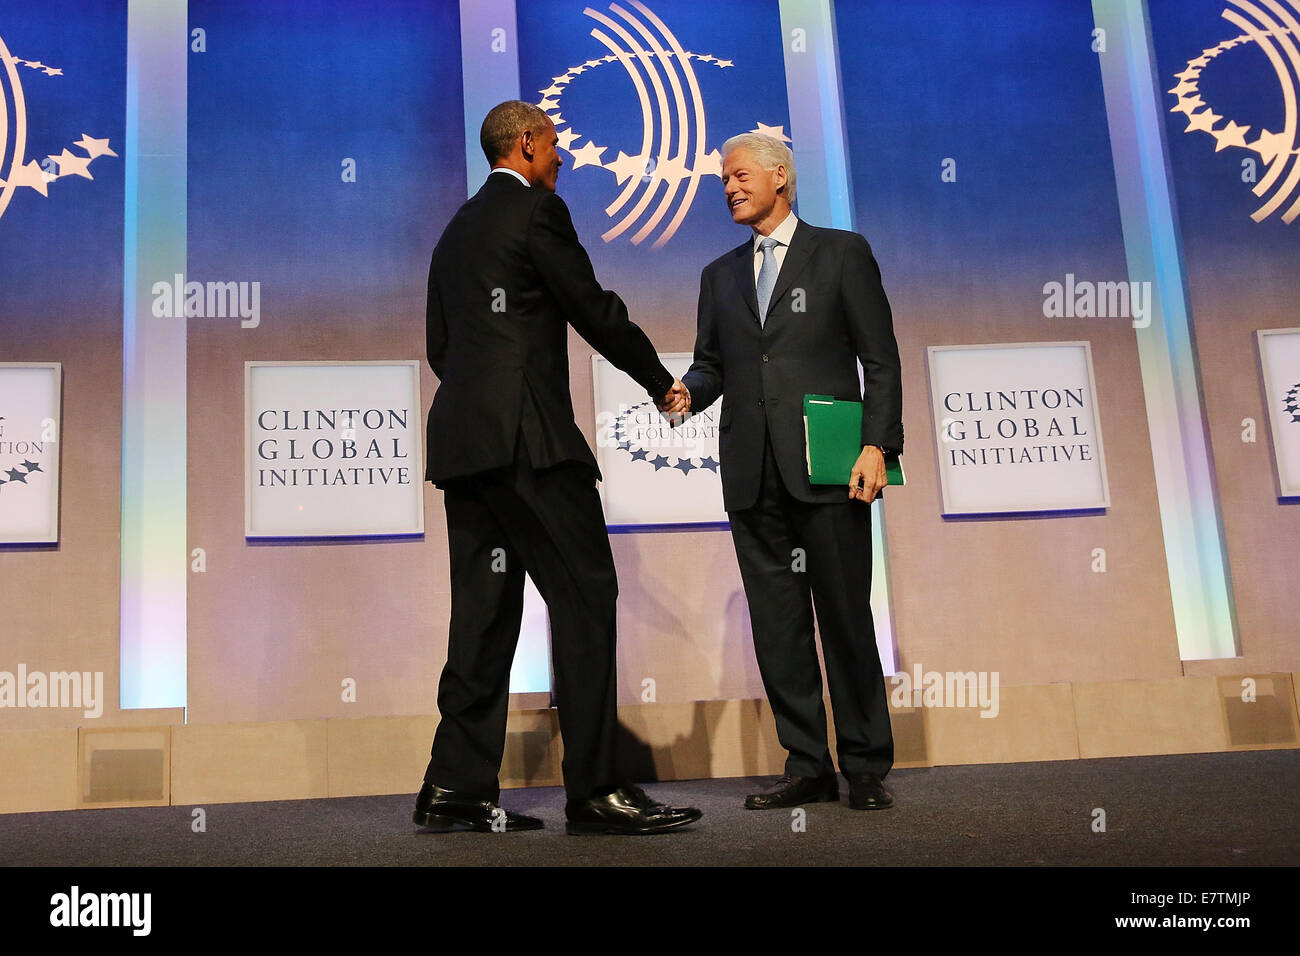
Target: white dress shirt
{"x": 513, "y": 172}
{"x": 782, "y": 234}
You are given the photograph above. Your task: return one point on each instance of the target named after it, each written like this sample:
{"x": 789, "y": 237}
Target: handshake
{"x": 676, "y": 405}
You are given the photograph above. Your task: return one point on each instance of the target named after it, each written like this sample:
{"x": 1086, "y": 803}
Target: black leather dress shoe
{"x": 446, "y": 810}
{"x": 791, "y": 791}
{"x": 866, "y": 792}
{"x": 628, "y": 810}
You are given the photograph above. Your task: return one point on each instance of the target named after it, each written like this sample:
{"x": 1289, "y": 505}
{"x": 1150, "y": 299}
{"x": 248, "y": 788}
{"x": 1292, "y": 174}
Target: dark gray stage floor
{"x": 1234, "y": 809}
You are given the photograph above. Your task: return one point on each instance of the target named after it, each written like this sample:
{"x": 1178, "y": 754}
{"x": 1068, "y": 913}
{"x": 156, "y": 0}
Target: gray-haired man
{"x": 789, "y": 312}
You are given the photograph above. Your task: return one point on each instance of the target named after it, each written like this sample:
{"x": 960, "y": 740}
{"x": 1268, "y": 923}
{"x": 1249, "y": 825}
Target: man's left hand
{"x": 868, "y": 475}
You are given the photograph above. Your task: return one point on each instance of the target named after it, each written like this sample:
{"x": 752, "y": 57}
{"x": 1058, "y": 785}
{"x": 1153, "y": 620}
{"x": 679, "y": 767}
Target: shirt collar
{"x": 512, "y": 172}
{"x": 783, "y": 233}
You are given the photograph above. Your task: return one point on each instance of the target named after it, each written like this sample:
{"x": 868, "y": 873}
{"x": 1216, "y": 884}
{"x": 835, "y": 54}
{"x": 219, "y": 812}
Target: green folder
{"x": 833, "y": 441}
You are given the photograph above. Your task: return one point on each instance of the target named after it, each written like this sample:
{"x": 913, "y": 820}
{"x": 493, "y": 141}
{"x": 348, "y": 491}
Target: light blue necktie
{"x": 766, "y": 277}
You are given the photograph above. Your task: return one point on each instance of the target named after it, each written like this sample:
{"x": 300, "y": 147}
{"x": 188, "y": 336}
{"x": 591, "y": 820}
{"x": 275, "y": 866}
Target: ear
{"x": 529, "y": 148}
{"x": 781, "y": 177}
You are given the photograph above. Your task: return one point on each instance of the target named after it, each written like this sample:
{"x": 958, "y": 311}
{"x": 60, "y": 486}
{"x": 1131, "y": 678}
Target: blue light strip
{"x": 489, "y": 50}
{"x": 825, "y": 198}
{"x": 1199, "y": 579}
{"x": 154, "y": 546}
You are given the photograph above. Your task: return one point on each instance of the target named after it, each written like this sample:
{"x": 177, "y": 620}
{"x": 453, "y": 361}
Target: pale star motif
{"x": 1190, "y": 73}
{"x": 557, "y": 119}
{"x": 777, "y": 132}
{"x": 561, "y": 80}
{"x": 588, "y": 155}
{"x": 71, "y": 164}
{"x": 30, "y": 175}
{"x": 709, "y": 164}
{"x": 549, "y": 104}
{"x": 551, "y": 90}
{"x": 609, "y": 58}
{"x": 1184, "y": 87}
{"x": 1188, "y": 106}
{"x": 1230, "y": 135}
{"x": 1199, "y": 61}
{"x": 1271, "y": 145}
{"x": 566, "y": 139}
{"x": 671, "y": 171}
{"x": 707, "y": 58}
{"x": 95, "y": 147}
{"x": 593, "y": 63}
{"x": 578, "y": 69}
{"x": 1203, "y": 121}
{"x": 626, "y": 166}
{"x": 52, "y": 71}
{"x": 725, "y": 63}
{"x": 36, "y": 64}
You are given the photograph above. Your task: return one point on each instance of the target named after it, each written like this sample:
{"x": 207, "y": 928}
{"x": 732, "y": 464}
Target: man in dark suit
{"x": 507, "y": 278}
{"x": 791, "y": 312}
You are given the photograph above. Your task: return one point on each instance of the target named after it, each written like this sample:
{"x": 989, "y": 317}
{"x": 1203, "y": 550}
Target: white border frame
{"x": 1274, "y": 423}
{"x": 1086, "y": 347}
{"x": 596, "y": 359}
{"x": 418, "y": 484}
{"x": 52, "y": 535}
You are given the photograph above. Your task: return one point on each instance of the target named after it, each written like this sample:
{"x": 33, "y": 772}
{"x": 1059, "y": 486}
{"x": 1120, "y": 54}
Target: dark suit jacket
{"x": 507, "y": 277}
{"x": 763, "y": 372}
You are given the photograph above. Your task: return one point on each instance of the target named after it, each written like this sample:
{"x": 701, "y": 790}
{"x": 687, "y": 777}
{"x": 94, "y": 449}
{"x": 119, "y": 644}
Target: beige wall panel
{"x": 61, "y": 601}
{"x": 703, "y": 739}
{"x": 377, "y": 754}
{"x": 1132, "y": 718}
{"x": 1262, "y": 533}
{"x": 276, "y": 627}
{"x": 1017, "y": 594}
{"x": 41, "y": 771}
{"x": 230, "y": 763}
{"x": 1032, "y": 723}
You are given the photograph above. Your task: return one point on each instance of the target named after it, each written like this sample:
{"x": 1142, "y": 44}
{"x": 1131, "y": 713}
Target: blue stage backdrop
{"x": 982, "y": 174}
{"x": 325, "y": 150}
{"x": 1227, "y": 73}
{"x": 642, "y": 131}
{"x": 326, "y": 154}
{"x": 62, "y": 174}
{"x": 62, "y": 123}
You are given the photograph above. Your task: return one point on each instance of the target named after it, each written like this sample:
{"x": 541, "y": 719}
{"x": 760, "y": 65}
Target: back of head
{"x": 503, "y": 126}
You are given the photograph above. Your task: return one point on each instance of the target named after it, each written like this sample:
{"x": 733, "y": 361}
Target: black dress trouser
{"x": 794, "y": 555}
{"x": 550, "y": 524}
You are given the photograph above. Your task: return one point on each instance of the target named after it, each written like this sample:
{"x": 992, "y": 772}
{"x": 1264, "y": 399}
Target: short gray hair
{"x": 505, "y": 123}
{"x": 770, "y": 153}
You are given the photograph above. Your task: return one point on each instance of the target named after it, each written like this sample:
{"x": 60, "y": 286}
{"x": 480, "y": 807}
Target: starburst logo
{"x": 16, "y": 171}
{"x": 1291, "y": 402}
{"x": 640, "y": 432}
{"x": 1276, "y": 38}
{"x": 673, "y": 152}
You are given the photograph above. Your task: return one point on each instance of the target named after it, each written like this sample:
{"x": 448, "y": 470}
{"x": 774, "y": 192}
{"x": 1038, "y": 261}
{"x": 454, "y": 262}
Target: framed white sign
{"x": 1279, "y": 359}
{"x": 1016, "y": 428}
{"x": 30, "y": 438}
{"x": 654, "y": 474}
{"x": 332, "y": 449}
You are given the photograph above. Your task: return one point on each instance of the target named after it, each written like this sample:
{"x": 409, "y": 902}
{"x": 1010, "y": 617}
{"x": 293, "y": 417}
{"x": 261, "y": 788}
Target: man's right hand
{"x": 676, "y": 405}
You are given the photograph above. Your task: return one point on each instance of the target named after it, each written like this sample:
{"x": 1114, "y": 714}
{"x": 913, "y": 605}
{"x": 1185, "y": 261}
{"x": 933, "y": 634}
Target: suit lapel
{"x": 802, "y": 244}
{"x": 743, "y": 271}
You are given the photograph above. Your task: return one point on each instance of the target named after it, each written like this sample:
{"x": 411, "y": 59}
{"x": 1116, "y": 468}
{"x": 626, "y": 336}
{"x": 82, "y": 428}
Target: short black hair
{"x": 505, "y": 123}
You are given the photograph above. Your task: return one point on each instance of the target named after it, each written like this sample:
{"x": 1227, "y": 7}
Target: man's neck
{"x": 773, "y": 219}
{"x": 514, "y": 167}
